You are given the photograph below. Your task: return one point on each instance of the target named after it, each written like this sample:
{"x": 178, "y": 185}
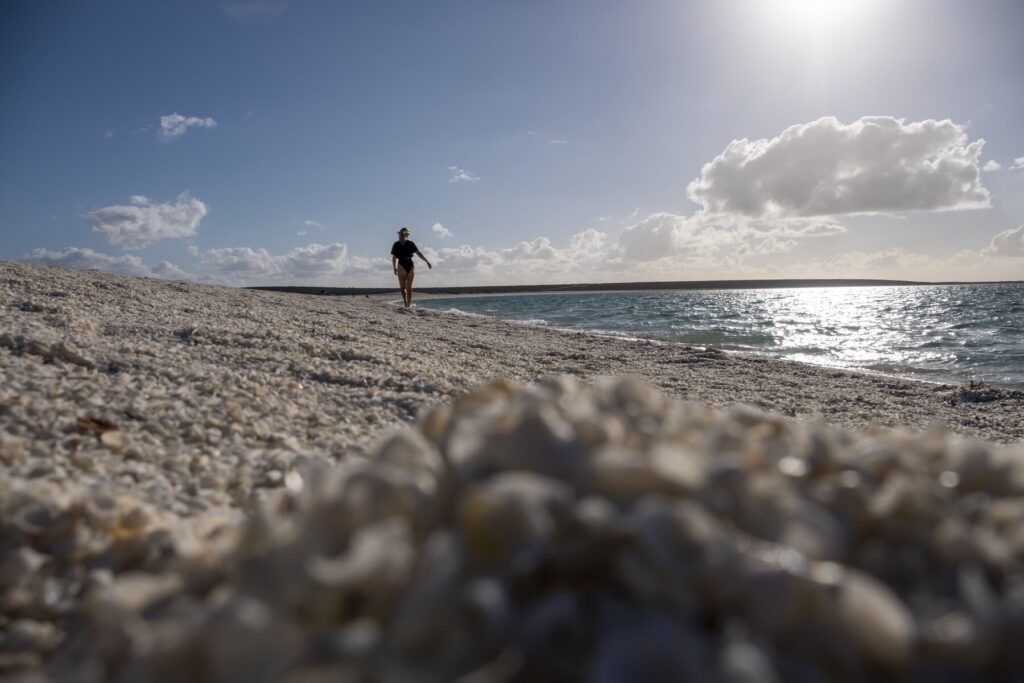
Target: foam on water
{"x": 941, "y": 333}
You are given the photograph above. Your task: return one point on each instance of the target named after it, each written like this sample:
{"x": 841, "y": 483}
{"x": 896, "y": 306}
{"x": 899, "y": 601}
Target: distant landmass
{"x": 613, "y": 286}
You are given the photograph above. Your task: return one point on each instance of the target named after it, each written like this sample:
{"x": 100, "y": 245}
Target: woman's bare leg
{"x": 408, "y": 286}
{"x": 403, "y": 284}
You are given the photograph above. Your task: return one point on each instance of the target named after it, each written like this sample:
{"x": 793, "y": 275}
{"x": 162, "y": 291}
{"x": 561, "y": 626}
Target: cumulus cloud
{"x": 465, "y": 258}
{"x": 589, "y": 241}
{"x": 898, "y": 264}
{"x": 461, "y": 175}
{"x": 1007, "y": 243}
{"x": 875, "y": 164}
{"x": 314, "y": 261}
{"x": 238, "y": 263}
{"x": 173, "y": 126}
{"x": 661, "y": 246}
{"x": 893, "y": 263}
{"x": 141, "y": 222}
{"x": 537, "y": 249}
{"x": 667, "y": 235}
{"x": 1017, "y": 164}
{"x": 535, "y": 260}
{"x": 169, "y": 271}
{"x": 441, "y": 231}
{"x": 991, "y": 166}
{"x": 87, "y": 259}
{"x": 245, "y": 265}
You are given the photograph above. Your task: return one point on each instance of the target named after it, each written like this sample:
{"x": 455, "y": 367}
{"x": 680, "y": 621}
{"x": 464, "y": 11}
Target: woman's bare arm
{"x": 424, "y": 258}
{"x": 394, "y": 263}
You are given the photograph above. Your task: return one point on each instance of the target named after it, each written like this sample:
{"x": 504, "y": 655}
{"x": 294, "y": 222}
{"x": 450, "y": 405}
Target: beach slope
{"x": 194, "y": 475}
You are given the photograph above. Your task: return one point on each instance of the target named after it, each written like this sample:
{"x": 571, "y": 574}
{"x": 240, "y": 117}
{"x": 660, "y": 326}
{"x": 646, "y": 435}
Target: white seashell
{"x": 876, "y": 620}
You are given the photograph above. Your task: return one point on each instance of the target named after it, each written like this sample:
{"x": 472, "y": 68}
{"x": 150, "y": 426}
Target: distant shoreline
{"x": 622, "y": 286}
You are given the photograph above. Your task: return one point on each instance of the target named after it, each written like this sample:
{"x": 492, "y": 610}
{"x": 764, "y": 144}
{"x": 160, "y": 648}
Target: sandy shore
{"x": 356, "y": 364}
{"x": 195, "y": 403}
{"x": 210, "y": 374}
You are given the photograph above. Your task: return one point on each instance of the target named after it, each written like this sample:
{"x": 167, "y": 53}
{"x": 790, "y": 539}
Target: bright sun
{"x": 814, "y": 17}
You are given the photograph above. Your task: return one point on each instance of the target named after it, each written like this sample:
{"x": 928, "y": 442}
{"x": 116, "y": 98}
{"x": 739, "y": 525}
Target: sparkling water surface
{"x": 941, "y": 333}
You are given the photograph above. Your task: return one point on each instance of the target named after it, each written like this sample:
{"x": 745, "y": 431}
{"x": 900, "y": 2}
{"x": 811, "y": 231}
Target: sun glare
{"x": 813, "y": 17}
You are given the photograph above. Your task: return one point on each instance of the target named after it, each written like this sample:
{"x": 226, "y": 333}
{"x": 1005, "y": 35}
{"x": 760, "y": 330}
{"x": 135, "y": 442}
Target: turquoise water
{"x": 941, "y": 333}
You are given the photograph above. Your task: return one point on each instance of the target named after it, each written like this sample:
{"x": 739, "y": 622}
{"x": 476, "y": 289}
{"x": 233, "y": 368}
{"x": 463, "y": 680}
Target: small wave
{"x": 459, "y": 311}
{"x": 531, "y": 321}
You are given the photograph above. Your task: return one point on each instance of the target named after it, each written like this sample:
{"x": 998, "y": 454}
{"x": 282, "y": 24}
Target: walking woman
{"x": 402, "y": 252}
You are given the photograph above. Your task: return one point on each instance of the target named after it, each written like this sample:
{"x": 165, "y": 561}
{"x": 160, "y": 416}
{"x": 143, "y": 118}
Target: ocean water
{"x": 941, "y": 333}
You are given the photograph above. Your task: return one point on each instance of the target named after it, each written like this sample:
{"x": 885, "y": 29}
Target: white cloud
{"x": 537, "y": 249}
{"x": 313, "y": 224}
{"x": 1007, "y": 243}
{"x": 141, "y": 222}
{"x": 314, "y": 261}
{"x": 465, "y": 258}
{"x": 173, "y": 126}
{"x": 1017, "y": 164}
{"x": 441, "y": 231}
{"x": 536, "y": 260}
{"x": 461, "y": 175}
{"x": 894, "y": 263}
{"x": 86, "y": 259}
{"x": 666, "y": 235}
{"x": 898, "y": 264}
{"x": 169, "y": 271}
{"x": 991, "y": 166}
{"x": 875, "y": 164}
{"x": 558, "y": 142}
{"x": 589, "y": 241}
{"x": 301, "y": 233}
{"x": 245, "y": 265}
{"x": 238, "y": 263}
{"x": 690, "y": 248}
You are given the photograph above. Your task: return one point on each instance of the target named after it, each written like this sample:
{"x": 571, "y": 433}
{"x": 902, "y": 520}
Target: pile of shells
{"x": 554, "y": 532}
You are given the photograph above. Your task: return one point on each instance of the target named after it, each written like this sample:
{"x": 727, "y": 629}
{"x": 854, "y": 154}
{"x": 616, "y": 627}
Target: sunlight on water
{"x": 943, "y": 333}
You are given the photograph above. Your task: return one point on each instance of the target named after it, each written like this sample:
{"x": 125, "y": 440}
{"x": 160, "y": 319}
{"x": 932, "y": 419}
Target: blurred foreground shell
{"x": 548, "y": 532}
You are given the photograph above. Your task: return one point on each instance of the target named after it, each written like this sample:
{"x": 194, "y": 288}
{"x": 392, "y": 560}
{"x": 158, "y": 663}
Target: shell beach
{"x": 207, "y": 483}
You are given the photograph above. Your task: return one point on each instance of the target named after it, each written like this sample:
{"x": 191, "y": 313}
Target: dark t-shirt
{"x": 404, "y": 251}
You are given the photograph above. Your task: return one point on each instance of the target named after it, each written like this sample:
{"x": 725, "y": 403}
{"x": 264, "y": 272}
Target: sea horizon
{"x": 654, "y": 285}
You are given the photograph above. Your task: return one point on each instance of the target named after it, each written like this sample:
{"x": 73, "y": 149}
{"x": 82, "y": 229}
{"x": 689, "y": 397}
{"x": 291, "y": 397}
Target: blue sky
{"x": 579, "y": 140}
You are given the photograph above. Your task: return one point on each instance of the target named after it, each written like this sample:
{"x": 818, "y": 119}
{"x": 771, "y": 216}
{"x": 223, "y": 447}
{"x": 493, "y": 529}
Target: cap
{"x": 404, "y": 229}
